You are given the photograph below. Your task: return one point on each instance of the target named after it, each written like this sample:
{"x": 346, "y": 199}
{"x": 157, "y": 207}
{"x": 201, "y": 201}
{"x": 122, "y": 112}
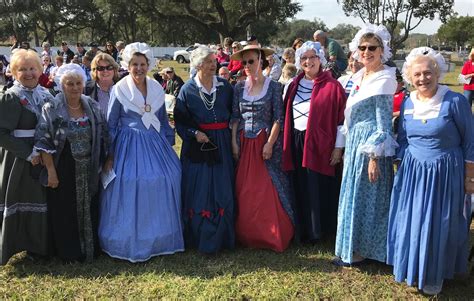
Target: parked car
{"x": 182, "y": 56}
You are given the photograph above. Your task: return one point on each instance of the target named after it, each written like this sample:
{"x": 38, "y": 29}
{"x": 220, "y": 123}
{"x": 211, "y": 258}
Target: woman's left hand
{"x": 36, "y": 160}
{"x": 267, "y": 151}
{"x": 336, "y": 156}
{"x": 469, "y": 180}
{"x": 374, "y": 171}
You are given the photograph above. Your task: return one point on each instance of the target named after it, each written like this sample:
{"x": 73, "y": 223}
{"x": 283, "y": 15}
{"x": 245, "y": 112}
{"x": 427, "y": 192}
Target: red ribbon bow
{"x": 221, "y": 211}
{"x": 206, "y": 214}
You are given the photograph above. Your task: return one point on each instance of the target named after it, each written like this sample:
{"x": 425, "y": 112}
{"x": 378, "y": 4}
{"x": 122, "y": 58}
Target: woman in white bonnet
{"x": 368, "y": 171}
{"x": 428, "y": 234}
{"x": 141, "y": 207}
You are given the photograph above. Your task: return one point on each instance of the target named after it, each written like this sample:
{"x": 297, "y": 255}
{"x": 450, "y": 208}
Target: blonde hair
{"x": 107, "y": 58}
{"x": 471, "y": 54}
{"x": 21, "y": 55}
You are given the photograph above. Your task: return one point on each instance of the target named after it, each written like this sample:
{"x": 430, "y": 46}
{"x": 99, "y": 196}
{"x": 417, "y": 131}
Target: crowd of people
{"x": 275, "y": 151}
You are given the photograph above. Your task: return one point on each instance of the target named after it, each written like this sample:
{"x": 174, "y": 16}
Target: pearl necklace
{"x": 74, "y": 108}
{"x": 209, "y": 104}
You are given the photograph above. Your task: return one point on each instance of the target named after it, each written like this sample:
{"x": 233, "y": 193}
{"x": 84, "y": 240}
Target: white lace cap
{"x": 380, "y": 31}
{"x": 309, "y": 45}
{"x": 424, "y": 51}
{"x": 142, "y": 48}
{"x": 69, "y": 69}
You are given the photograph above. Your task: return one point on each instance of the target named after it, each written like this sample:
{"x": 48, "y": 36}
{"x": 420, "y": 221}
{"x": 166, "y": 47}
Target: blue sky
{"x": 331, "y": 13}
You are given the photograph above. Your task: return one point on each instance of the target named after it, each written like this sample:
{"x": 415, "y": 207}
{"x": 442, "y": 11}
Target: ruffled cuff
{"x": 380, "y": 144}
{"x": 340, "y": 137}
{"x": 40, "y": 149}
{"x": 33, "y": 154}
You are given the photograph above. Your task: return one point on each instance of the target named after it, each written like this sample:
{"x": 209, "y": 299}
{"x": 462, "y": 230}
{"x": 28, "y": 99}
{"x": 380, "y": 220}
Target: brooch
{"x": 24, "y": 101}
{"x": 147, "y": 108}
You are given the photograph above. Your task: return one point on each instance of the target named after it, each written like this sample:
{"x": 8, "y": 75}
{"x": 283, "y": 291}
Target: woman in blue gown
{"x": 428, "y": 225}
{"x": 367, "y": 176}
{"x": 202, "y": 113}
{"x": 141, "y": 207}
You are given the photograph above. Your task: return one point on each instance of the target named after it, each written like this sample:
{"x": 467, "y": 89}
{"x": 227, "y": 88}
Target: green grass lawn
{"x": 301, "y": 272}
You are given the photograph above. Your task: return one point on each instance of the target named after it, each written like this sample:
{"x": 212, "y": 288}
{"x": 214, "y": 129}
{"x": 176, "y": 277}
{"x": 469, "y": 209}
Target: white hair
{"x": 198, "y": 56}
{"x": 439, "y": 63}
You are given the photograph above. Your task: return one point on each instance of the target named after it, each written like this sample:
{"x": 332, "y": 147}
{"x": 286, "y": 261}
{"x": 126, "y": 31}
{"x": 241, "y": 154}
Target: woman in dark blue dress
{"x": 202, "y": 114}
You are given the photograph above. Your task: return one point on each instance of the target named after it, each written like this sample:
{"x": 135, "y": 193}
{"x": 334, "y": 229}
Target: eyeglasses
{"x": 371, "y": 48}
{"x": 102, "y": 68}
{"x": 250, "y": 62}
{"x": 309, "y": 58}
{"x": 109, "y": 45}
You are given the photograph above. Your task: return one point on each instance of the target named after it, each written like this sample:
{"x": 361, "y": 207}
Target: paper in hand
{"x": 107, "y": 177}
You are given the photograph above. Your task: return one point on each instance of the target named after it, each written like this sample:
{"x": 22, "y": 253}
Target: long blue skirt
{"x": 428, "y": 228}
{"x": 208, "y": 198}
{"x": 140, "y": 214}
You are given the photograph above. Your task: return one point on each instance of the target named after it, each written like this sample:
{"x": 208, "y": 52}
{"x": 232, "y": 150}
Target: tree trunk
{"x": 35, "y": 33}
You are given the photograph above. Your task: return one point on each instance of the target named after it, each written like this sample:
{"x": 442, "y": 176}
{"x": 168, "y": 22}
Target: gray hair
{"x": 198, "y": 56}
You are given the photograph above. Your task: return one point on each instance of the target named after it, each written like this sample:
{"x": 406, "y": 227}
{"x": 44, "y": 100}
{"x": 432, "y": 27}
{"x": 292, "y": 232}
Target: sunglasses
{"x": 102, "y": 68}
{"x": 169, "y": 72}
{"x": 250, "y": 62}
{"x": 371, "y": 48}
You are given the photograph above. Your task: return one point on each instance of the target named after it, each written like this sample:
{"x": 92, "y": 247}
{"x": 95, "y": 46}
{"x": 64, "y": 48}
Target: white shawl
{"x": 382, "y": 82}
{"x": 132, "y": 99}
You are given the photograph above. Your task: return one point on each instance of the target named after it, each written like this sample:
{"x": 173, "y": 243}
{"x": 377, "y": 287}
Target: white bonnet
{"x": 309, "y": 45}
{"x": 133, "y": 48}
{"x": 69, "y": 69}
{"x": 424, "y": 51}
{"x": 380, "y": 31}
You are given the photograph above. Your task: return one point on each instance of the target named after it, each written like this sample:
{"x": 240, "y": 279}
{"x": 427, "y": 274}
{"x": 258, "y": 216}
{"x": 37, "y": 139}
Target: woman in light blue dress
{"x": 367, "y": 176}
{"x": 428, "y": 234}
{"x": 141, "y": 207}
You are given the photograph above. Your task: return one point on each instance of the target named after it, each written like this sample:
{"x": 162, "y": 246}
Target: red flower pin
{"x": 206, "y": 214}
{"x": 82, "y": 123}
{"x": 24, "y": 101}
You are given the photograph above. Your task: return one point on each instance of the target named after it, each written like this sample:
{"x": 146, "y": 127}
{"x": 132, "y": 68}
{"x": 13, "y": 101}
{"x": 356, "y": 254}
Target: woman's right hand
{"x": 53, "y": 181}
{"x": 235, "y": 150}
{"x": 109, "y": 164}
{"x": 201, "y": 137}
{"x": 373, "y": 170}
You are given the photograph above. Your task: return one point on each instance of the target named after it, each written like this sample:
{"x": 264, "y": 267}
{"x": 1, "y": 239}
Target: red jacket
{"x": 468, "y": 68}
{"x": 326, "y": 113}
{"x": 235, "y": 66}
